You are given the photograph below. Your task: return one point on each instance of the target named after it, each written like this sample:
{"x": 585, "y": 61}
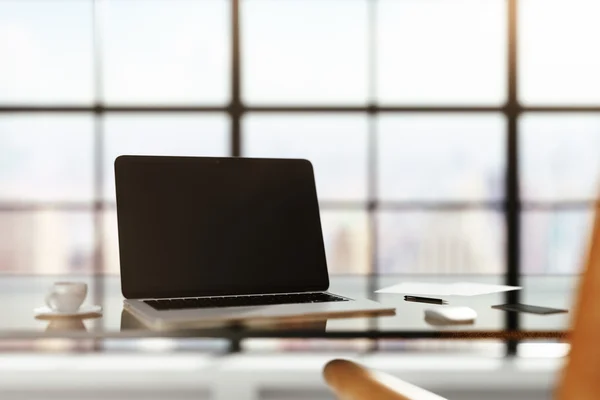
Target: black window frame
{"x": 511, "y": 206}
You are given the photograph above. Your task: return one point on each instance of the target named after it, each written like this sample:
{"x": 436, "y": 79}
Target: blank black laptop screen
{"x": 218, "y": 226}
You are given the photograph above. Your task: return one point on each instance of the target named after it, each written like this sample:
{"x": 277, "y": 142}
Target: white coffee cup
{"x": 66, "y": 296}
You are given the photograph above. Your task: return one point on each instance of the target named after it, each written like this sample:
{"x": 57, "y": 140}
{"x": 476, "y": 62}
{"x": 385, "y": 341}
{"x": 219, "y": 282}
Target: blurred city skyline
{"x": 303, "y": 52}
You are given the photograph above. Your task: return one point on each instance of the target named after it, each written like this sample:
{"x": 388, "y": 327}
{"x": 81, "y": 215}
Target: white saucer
{"x": 83, "y": 312}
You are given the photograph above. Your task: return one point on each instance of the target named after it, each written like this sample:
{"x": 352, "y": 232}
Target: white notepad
{"x": 446, "y": 289}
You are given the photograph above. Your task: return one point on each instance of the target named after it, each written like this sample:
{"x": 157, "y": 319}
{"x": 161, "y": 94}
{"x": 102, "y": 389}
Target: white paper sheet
{"x": 446, "y": 289}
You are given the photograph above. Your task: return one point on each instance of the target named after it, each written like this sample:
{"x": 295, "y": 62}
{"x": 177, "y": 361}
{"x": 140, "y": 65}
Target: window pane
{"x": 335, "y": 144}
{"x": 441, "y": 51}
{"x": 441, "y": 157}
{"x": 558, "y": 51}
{"x": 165, "y": 134}
{"x": 299, "y": 51}
{"x": 46, "y": 242}
{"x": 347, "y": 241}
{"x": 110, "y": 238}
{"x": 46, "y": 49}
{"x": 559, "y": 155}
{"x": 46, "y": 158}
{"x": 441, "y": 242}
{"x": 166, "y": 51}
{"x": 555, "y": 242}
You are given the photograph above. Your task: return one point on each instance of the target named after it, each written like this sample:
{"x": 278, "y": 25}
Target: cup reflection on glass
{"x": 66, "y": 324}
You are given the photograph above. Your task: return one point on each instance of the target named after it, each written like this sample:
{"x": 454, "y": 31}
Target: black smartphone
{"x": 529, "y": 309}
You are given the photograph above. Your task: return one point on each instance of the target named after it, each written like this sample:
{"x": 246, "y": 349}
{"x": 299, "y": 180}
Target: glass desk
{"x": 19, "y": 295}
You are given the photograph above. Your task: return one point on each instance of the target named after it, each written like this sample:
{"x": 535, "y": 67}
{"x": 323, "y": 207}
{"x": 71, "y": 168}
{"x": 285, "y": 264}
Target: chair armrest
{"x": 350, "y": 381}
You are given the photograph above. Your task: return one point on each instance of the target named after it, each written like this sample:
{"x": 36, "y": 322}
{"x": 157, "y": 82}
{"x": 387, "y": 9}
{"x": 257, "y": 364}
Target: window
{"x": 465, "y": 157}
{"x": 559, "y": 156}
{"x": 304, "y": 51}
{"x": 165, "y": 52}
{"x": 46, "y": 157}
{"x": 47, "y": 52}
{"x": 347, "y": 238}
{"x": 555, "y": 241}
{"x": 46, "y": 242}
{"x": 558, "y": 61}
{"x": 441, "y": 52}
{"x": 406, "y": 108}
{"x": 441, "y": 242}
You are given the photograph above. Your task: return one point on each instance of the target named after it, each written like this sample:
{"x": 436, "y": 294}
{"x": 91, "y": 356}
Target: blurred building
{"x": 34, "y": 243}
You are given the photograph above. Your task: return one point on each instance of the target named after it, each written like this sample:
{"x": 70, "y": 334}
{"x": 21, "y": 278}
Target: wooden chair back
{"x": 351, "y": 381}
{"x": 581, "y": 377}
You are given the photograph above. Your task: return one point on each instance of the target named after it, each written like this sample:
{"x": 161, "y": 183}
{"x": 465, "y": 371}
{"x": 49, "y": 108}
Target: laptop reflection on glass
{"x": 212, "y": 240}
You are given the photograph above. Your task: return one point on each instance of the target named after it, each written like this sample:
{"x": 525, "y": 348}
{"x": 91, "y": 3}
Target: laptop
{"x": 206, "y": 240}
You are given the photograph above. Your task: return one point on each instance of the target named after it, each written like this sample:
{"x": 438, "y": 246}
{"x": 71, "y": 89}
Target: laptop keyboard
{"x": 238, "y": 301}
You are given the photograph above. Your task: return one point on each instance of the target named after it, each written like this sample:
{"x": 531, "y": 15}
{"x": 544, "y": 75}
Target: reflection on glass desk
{"x": 20, "y": 295}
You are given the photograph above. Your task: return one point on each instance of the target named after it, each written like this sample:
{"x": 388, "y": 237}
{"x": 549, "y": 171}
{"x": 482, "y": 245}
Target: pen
{"x": 425, "y": 300}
